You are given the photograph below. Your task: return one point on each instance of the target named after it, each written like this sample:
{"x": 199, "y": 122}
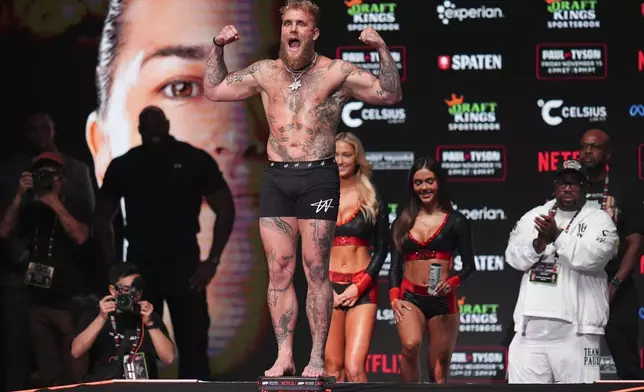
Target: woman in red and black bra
{"x": 425, "y": 236}
{"x": 362, "y": 223}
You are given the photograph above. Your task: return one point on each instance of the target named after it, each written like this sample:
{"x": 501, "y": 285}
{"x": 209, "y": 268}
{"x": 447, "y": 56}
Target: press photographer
{"x": 52, "y": 227}
{"x": 124, "y": 335}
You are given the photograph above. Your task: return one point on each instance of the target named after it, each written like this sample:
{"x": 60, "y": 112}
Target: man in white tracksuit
{"x": 563, "y": 247}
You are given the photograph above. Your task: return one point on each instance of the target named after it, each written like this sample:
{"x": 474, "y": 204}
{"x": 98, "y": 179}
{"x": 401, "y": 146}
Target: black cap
{"x": 572, "y": 166}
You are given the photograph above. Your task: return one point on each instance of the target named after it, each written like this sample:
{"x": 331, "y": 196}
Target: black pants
{"x": 167, "y": 278}
{"x": 622, "y": 332}
{"x": 52, "y": 331}
{"x": 190, "y": 322}
{"x": 15, "y": 337}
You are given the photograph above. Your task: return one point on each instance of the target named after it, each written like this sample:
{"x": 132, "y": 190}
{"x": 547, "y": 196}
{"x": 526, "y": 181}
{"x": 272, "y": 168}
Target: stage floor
{"x": 195, "y": 386}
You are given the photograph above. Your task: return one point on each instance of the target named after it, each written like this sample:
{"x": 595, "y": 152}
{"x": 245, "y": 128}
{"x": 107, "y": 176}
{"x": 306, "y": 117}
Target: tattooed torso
{"x": 303, "y": 122}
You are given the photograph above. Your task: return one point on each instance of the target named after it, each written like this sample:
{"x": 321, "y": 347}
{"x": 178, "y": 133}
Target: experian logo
{"x": 591, "y": 113}
{"x": 484, "y": 213}
{"x": 448, "y": 11}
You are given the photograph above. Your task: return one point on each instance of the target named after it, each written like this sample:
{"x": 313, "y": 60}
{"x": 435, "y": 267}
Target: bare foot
{"x": 315, "y": 368}
{"x": 282, "y": 367}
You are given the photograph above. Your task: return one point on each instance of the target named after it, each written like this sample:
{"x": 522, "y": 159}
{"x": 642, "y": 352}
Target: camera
{"x": 43, "y": 180}
{"x": 127, "y": 301}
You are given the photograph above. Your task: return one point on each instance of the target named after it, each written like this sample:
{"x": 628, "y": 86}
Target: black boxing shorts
{"x": 428, "y": 304}
{"x": 340, "y": 282}
{"x": 305, "y": 190}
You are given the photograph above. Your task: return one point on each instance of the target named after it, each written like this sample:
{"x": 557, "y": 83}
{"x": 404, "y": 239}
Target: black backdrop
{"x": 509, "y": 165}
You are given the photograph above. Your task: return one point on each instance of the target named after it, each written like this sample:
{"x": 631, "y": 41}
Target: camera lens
{"x": 124, "y": 301}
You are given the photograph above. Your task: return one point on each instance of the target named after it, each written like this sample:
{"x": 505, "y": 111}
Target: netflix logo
{"x": 384, "y": 363}
{"x": 547, "y": 161}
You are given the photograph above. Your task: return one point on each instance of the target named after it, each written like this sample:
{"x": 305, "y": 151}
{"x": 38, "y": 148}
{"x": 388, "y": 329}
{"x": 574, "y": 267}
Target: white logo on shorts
{"x": 322, "y": 205}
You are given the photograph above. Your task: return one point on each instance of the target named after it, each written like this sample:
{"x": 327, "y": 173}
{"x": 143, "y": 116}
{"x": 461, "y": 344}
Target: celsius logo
{"x": 470, "y": 62}
{"x": 484, "y": 213}
{"x": 448, "y": 11}
{"x": 636, "y": 111}
{"x": 573, "y": 14}
{"x": 592, "y": 113}
{"x": 390, "y": 115}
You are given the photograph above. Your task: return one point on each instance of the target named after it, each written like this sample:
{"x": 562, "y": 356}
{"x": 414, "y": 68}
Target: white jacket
{"x": 580, "y": 295}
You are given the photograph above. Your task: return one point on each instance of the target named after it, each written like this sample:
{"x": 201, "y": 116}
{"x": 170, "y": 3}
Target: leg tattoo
{"x": 319, "y": 299}
{"x": 281, "y": 298}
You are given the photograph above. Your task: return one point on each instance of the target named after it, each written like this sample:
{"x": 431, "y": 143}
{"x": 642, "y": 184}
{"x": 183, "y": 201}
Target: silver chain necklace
{"x": 298, "y": 74}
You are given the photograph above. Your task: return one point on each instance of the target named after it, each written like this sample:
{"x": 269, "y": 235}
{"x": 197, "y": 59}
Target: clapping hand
{"x": 547, "y": 228}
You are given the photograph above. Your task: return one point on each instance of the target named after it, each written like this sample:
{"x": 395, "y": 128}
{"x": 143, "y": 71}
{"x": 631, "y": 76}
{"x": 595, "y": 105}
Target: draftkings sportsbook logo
{"x": 553, "y": 112}
{"x": 354, "y": 114}
{"x": 471, "y": 116}
{"x": 470, "y": 62}
{"x": 479, "y": 317}
{"x": 369, "y": 59}
{"x": 571, "y": 61}
{"x": 572, "y": 14}
{"x": 473, "y": 163}
{"x": 365, "y": 13}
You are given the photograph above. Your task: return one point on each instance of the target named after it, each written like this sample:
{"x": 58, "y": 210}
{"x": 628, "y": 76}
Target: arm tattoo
{"x": 238, "y": 76}
{"x": 389, "y": 76}
{"x": 10, "y": 216}
{"x": 76, "y": 230}
{"x": 216, "y": 69}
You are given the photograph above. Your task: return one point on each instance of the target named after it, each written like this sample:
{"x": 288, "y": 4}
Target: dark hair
{"x": 151, "y": 115}
{"x": 121, "y": 270}
{"x": 407, "y": 217}
{"x": 108, "y": 47}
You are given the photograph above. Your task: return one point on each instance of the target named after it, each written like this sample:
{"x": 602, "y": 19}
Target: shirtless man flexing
{"x": 303, "y": 94}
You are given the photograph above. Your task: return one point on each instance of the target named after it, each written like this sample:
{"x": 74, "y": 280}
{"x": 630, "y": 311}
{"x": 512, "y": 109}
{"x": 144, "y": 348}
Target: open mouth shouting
{"x": 293, "y": 44}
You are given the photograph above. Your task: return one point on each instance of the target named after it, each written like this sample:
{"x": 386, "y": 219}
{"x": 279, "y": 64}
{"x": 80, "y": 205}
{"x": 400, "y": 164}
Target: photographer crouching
{"x": 124, "y": 334}
{"x": 52, "y": 227}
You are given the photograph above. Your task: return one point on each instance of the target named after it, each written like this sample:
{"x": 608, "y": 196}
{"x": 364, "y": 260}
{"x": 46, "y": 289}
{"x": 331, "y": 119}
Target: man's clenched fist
{"x": 370, "y": 37}
{"x": 227, "y": 35}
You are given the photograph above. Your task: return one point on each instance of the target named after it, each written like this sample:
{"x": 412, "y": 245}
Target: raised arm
{"x": 382, "y": 90}
{"x": 221, "y": 86}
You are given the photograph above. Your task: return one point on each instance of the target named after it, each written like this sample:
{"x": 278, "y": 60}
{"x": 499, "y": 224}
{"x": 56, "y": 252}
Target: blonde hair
{"x": 366, "y": 191}
{"x": 305, "y": 5}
